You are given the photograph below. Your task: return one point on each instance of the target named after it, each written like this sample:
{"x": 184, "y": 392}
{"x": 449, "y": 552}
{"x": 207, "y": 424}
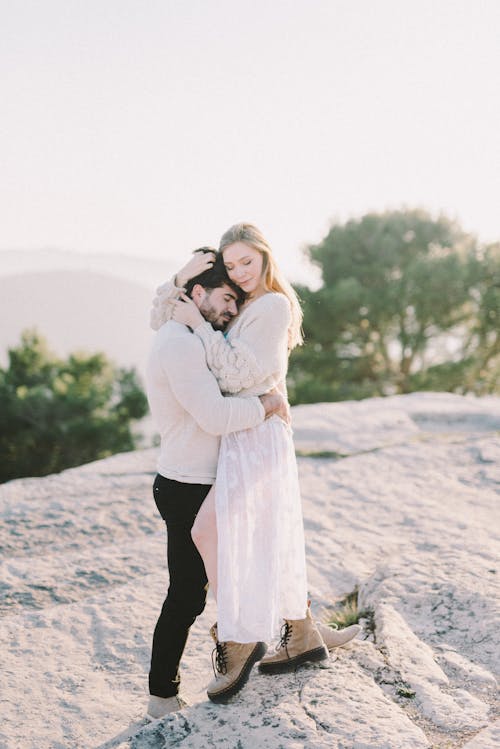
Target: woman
{"x": 249, "y": 530}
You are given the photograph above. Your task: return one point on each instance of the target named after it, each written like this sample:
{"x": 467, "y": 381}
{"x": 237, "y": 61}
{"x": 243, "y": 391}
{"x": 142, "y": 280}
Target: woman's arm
{"x": 161, "y": 311}
{"x": 168, "y": 292}
{"x": 258, "y": 351}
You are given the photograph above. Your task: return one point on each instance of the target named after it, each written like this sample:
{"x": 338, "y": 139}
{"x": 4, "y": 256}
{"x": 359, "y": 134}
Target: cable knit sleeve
{"x": 258, "y": 350}
{"x": 161, "y": 311}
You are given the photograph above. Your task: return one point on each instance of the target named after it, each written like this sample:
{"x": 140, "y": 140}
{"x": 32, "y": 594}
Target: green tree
{"x": 397, "y": 288}
{"x": 61, "y": 413}
{"x": 481, "y": 345}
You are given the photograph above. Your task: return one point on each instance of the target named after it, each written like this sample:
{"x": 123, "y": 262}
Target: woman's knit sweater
{"x": 252, "y": 357}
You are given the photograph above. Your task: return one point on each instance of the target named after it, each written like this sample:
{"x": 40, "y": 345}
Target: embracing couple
{"x": 227, "y": 485}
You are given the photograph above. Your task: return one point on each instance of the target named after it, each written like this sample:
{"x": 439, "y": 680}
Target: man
{"x": 191, "y": 415}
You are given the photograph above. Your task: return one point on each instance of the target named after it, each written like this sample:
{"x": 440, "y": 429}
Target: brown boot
{"x": 233, "y": 663}
{"x": 300, "y": 643}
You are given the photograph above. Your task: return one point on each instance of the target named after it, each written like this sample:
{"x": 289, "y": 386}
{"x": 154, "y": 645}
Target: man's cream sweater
{"x": 188, "y": 408}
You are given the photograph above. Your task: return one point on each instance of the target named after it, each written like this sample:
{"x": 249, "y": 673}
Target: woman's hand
{"x": 200, "y": 262}
{"x": 184, "y": 310}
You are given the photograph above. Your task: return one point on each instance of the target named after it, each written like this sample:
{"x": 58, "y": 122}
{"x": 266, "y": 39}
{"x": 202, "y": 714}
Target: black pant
{"x": 178, "y": 505}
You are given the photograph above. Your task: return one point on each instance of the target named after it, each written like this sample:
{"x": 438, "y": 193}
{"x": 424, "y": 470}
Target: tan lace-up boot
{"x": 300, "y": 643}
{"x": 232, "y": 666}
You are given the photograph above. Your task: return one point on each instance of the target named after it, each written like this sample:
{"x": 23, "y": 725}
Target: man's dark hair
{"x": 215, "y": 277}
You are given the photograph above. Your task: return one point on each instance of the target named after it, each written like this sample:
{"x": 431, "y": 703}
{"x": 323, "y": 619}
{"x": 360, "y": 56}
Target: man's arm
{"x": 184, "y": 364}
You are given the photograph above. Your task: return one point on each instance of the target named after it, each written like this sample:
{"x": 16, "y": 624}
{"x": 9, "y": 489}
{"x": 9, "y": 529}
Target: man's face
{"x": 218, "y": 306}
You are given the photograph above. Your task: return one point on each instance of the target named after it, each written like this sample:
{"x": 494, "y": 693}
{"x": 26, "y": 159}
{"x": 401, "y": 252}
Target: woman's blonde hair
{"x": 273, "y": 278}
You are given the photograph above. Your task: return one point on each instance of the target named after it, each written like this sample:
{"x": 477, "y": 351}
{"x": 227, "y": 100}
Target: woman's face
{"x": 244, "y": 266}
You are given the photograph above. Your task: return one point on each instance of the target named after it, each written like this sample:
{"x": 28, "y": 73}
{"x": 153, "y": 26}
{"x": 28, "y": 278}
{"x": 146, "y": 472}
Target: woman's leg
{"x": 204, "y": 535}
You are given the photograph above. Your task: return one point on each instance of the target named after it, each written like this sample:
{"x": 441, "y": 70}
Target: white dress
{"x": 261, "y": 560}
{"x": 261, "y": 553}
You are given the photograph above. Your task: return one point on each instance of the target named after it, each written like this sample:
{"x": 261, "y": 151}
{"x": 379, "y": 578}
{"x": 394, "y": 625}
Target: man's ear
{"x": 198, "y": 294}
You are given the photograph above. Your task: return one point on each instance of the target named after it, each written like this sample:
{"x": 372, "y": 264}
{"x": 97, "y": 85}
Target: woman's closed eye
{"x": 243, "y": 262}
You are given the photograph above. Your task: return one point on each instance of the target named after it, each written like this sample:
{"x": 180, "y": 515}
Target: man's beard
{"x": 216, "y": 319}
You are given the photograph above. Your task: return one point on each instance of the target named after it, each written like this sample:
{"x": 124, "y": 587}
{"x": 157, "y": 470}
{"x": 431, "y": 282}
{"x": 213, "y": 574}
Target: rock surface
{"x": 402, "y": 505}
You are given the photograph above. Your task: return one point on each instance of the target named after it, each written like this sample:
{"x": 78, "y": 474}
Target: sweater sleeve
{"x": 197, "y": 391}
{"x": 256, "y": 352}
{"x": 161, "y": 311}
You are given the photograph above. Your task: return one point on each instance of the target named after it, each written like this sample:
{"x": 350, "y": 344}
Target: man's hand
{"x": 275, "y": 403}
{"x": 200, "y": 262}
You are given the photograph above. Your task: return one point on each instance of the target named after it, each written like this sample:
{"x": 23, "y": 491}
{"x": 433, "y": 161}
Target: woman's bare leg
{"x": 204, "y": 535}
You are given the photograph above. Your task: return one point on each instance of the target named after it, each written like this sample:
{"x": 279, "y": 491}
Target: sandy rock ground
{"x": 400, "y": 501}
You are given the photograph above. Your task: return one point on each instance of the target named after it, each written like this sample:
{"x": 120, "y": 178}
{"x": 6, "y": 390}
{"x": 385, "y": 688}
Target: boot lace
{"x": 285, "y": 636}
{"x": 219, "y": 658}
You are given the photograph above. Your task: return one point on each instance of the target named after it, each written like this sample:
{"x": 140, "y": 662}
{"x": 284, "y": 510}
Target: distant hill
{"x": 78, "y": 310}
{"x": 147, "y": 271}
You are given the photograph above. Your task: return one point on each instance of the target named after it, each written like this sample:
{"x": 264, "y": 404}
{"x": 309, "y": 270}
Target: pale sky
{"x": 148, "y": 127}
